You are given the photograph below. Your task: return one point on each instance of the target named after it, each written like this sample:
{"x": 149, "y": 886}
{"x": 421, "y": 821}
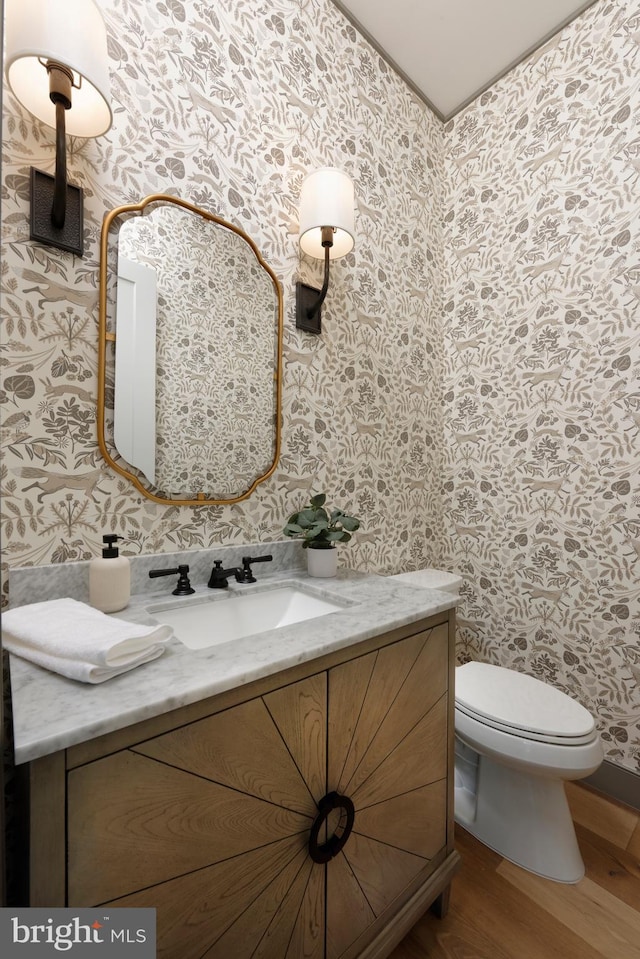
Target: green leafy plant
{"x": 319, "y": 529}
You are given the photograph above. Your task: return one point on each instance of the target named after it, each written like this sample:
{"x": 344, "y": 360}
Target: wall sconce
{"x": 56, "y": 62}
{"x": 326, "y": 232}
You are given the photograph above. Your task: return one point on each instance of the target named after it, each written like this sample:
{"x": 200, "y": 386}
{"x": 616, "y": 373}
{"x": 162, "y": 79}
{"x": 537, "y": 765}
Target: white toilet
{"x": 517, "y": 740}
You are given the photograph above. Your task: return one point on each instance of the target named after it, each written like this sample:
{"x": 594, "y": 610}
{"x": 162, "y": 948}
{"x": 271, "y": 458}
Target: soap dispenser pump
{"x": 109, "y": 578}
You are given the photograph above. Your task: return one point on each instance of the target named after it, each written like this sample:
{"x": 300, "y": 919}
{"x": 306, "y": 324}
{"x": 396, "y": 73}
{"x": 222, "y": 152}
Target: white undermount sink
{"x": 200, "y": 623}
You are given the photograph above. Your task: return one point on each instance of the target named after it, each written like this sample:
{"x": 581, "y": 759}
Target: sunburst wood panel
{"x": 393, "y": 766}
{"x": 267, "y": 929}
{"x": 195, "y": 804}
{"x": 174, "y": 821}
{"x": 300, "y": 713}
{"x": 297, "y": 928}
{"x": 218, "y": 904}
{"x": 241, "y": 748}
{"x": 368, "y": 860}
{"x": 308, "y": 938}
{"x": 415, "y": 820}
{"x": 391, "y": 667}
{"x": 422, "y": 687}
{"x": 348, "y": 910}
{"x": 348, "y": 688}
{"x": 418, "y": 759}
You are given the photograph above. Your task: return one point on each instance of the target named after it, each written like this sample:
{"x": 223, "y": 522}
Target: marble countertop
{"x": 51, "y": 712}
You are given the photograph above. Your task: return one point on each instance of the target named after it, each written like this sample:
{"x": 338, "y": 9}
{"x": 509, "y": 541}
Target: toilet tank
{"x": 431, "y": 579}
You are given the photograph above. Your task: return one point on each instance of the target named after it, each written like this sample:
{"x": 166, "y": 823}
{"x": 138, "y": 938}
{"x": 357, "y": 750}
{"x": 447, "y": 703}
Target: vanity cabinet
{"x": 205, "y": 813}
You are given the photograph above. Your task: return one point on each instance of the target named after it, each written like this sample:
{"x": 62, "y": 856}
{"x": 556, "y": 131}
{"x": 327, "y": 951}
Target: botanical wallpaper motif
{"x": 542, "y": 369}
{"x": 520, "y": 217}
{"x": 230, "y": 105}
{"x": 216, "y": 314}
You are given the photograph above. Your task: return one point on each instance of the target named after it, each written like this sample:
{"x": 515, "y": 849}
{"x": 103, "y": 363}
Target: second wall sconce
{"x": 57, "y": 63}
{"x": 326, "y": 232}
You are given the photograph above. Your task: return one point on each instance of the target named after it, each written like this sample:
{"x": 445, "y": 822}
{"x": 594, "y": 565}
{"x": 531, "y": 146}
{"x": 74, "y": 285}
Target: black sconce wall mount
{"x": 57, "y": 67}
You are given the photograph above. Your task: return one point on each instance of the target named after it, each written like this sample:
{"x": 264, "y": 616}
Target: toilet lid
{"x": 511, "y": 700}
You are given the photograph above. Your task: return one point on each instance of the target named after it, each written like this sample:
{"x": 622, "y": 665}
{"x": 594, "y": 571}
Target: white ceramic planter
{"x": 322, "y": 562}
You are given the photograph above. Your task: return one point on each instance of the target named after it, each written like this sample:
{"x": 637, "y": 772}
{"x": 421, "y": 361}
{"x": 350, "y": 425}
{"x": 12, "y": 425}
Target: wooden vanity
{"x": 205, "y": 812}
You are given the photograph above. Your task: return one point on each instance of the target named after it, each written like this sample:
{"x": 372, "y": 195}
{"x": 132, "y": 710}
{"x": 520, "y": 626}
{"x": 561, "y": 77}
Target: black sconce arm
{"x": 312, "y": 310}
{"x": 60, "y": 83}
{"x": 59, "y": 208}
{"x": 307, "y": 310}
{"x": 56, "y": 206}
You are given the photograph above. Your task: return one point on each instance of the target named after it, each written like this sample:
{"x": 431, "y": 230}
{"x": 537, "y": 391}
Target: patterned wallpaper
{"x": 525, "y": 233}
{"x": 230, "y": 105}
{"x": 542, "y": 369}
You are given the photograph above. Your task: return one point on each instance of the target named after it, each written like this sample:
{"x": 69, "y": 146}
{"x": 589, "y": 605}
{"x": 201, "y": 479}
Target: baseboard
{"x": 616, "y": 781}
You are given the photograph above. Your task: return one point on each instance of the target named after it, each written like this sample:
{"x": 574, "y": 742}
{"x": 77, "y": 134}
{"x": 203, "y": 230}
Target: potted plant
{"x": 319, "y": 532}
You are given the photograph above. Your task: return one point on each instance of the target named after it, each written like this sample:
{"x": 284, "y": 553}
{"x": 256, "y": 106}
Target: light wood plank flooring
{"x": 499, "y": 911}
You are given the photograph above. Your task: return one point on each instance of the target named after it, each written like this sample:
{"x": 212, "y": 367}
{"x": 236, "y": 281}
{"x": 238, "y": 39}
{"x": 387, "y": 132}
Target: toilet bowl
{"x": 517, "y": 741}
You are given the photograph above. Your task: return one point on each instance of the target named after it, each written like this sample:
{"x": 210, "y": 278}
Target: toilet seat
{"x": 520, "y": 705}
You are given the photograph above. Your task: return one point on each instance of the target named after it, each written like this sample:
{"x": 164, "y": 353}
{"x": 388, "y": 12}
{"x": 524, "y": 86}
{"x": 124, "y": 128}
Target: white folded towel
{"x": 78, "y": 641}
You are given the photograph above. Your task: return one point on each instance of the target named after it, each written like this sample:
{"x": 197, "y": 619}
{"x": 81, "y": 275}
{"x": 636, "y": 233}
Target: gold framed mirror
{"x": 189, "y": 354}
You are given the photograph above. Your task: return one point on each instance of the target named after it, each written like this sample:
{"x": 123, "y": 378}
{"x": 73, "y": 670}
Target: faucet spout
{"x": 218, "y": 578}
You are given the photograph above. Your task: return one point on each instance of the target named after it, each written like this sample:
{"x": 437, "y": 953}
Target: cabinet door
{"x": 387, "y": 752}
{"x": 209, "y": 824}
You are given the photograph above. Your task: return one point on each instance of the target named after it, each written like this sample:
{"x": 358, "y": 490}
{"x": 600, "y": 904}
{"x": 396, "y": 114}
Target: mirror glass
{"x": 196, "y": 315}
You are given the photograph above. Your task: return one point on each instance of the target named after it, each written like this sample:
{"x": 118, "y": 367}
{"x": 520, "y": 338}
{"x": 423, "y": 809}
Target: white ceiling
{"x": 449, "y": 51}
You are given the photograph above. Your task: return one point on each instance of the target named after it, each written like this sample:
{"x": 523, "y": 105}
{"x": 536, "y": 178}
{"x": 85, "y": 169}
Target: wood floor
{"x": 499, "y": 911}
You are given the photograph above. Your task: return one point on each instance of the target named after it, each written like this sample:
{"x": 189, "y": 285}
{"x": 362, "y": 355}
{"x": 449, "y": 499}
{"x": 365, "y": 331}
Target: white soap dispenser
{"x": 109, "y": 578}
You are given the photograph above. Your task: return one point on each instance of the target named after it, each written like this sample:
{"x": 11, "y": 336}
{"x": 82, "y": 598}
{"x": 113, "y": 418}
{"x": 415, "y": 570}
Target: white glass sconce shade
{"x": 327, "y": 199}
{"x": 73, "y": 33}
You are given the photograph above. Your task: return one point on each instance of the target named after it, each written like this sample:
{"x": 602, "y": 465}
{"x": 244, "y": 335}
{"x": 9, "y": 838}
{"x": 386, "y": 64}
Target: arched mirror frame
{"x": 105, "y": 336}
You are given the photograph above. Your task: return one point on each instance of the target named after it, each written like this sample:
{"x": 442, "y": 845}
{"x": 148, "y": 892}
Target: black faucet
{"x": 218, "y": 578}
{"x": 184, "y": 586}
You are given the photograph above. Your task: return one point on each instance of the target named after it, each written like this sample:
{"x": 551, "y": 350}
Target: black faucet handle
{"x": 183, "y": 587}
{"x": 245, "y": 575}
